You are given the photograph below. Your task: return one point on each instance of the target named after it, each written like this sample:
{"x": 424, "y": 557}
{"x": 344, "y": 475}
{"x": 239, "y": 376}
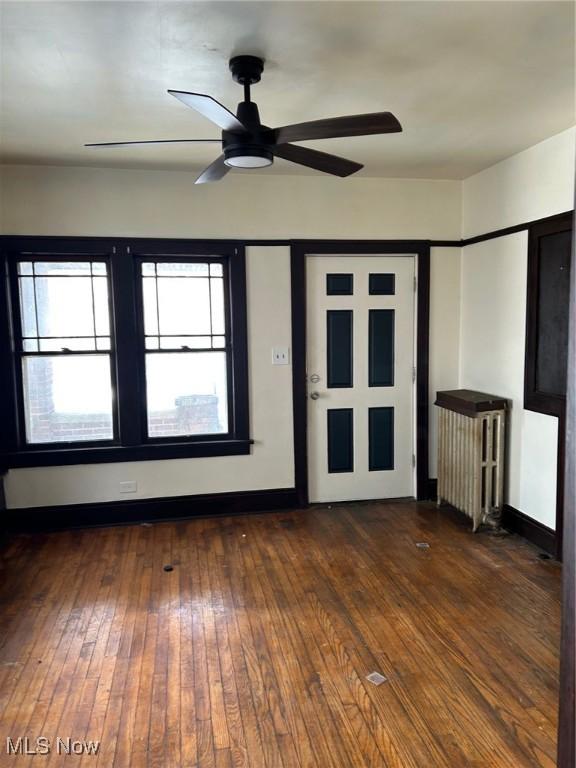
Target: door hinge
{"x": 415, "y": 284}
{"x": 414, "y": 460}
{"x": 414, "y": 374}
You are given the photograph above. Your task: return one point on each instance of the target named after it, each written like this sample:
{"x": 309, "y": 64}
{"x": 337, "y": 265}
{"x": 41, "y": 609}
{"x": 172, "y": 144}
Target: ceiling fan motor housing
{"x": 250, "y": 148}
{"x": 250, "y": 144}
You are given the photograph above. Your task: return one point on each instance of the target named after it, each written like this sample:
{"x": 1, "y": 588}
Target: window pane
{"x": 30, "y": 345}
{"x": 217, "y": 301}
{"x": 189, "y": 269}
{"x": 184, "y": 305}
{"x": 148, "y": 269}
{"x": 216, "y": 270}
{"x": 28, "y": 307}
{"x": 25, "y": 268}
{"x": 64, "y": 306}
{"x": 178, "y": 342}
{"x": 103, "y": 343}
{"x": 62, "y": 344}
{"x": 101, "y": 311}
{"x": 77, "y": 268}
{"x": 99, "y": 268}
{"x": 67, "y": 399}
{"x": 150, "y": 306}
{"x": 186, "y": 394}
{"x": 552, "y": 314}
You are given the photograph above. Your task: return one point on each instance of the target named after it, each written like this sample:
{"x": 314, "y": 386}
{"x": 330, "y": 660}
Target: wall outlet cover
{"x": 281, "y": 356}
{"x": 128, "y": 486}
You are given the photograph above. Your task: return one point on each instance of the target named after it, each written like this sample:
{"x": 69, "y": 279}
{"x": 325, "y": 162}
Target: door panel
{"x": 360, "y": 363}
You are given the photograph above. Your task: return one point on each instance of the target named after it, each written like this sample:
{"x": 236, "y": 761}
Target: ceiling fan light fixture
{"x": 244, "y": 157}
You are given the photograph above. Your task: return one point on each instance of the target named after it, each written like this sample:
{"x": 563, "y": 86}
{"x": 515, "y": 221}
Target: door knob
{"x": 314, "y": 395}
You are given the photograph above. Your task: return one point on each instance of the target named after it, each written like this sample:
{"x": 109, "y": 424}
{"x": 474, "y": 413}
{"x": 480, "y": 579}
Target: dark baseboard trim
{"x": 146, "y": 510}
{"x": 432, "y": 488}
{"x": 536, "y": 533}
{"x": 517, "y": 522}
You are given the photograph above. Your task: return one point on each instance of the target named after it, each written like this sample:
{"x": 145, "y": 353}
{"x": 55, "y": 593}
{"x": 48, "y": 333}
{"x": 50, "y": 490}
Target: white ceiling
{"x": 471, "y": 82}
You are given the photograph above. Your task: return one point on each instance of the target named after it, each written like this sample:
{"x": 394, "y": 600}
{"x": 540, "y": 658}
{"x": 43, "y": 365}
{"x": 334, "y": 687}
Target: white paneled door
{"x": 360, "y": 376}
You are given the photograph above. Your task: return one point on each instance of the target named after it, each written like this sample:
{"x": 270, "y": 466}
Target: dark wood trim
{"x": 300, "y": 414}
{"x": 567, "y": 712}
{"x": 560, "y": 486}
{"x": 118, "y": 453}
{"x": 299, "y": 251}
{"x": 536, "y": 533}
{"x": 422, "y": 370}
{"x": 147, "y": 510}
{"x": 512, "y": 230}
{"x": 535, "y": 400}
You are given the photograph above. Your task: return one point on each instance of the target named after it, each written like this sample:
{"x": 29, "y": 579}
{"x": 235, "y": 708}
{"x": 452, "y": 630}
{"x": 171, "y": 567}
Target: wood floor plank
{"x": 251, "y": 649}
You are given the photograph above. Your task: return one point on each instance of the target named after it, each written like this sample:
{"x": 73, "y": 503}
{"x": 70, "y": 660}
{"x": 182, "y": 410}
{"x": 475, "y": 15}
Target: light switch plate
{"x": 280, "y": 355}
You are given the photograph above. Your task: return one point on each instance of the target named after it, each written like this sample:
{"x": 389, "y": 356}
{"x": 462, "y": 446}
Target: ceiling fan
{"x": 246, "y": 143}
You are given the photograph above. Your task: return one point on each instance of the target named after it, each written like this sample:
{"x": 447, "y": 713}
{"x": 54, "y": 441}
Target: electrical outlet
{"x": 128, "y": 486}
{"x": 280, "y": 355}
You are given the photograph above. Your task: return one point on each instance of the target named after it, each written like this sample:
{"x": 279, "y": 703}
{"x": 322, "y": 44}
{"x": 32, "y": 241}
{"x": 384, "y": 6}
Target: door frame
{"x": 299, "y": 250}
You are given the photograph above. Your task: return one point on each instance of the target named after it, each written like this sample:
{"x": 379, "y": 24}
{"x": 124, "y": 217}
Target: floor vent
{"x": 376, "y": 678}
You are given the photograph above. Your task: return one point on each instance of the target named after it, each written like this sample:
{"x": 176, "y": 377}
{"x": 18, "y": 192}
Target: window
{"x": 549, "y": 257}
{"x": 186, "y": 348}
{"x": 65, "y": 351}
{"x": 122, "y": 350}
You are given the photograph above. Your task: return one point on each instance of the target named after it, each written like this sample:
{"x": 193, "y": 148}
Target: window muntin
{"x": 65, "y": 345}
{"x": 186, "y": 348}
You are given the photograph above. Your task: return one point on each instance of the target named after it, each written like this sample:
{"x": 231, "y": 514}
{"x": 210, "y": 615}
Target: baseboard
{"x": 146, "y": 510}
{"x": 517, "y": 522}
{"x": 432, "y": 488}
{"x": 536, "y": 533}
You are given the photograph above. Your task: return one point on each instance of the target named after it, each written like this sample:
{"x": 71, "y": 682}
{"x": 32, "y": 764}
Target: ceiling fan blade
{"x": 321, "y": 161}
{"x": 352, "y": 125}
{"x": 214, "y": 172}
{"x": 211, "y": 109}
{"x": 158, "y": 141}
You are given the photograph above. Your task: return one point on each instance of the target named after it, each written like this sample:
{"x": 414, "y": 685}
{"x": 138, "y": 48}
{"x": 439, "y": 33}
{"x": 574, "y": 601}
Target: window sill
{"x": 108, "y": 454}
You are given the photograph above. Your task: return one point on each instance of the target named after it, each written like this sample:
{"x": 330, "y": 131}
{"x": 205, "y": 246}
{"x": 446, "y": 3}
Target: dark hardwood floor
{"x": 254, "y": 649}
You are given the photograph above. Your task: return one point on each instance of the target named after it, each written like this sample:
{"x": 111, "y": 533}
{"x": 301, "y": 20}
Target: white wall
{"x": 101, "y": 201}
{"x": 83, "y": 201}
{"x": 493, "y": 307}
{"x": 536, "y": 183}
{"x": 444, "y": 333}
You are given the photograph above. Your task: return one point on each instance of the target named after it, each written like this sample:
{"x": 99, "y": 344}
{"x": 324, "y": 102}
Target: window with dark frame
{"x": 186, "y": 348}
{"x": 549, "y": 255}
{"x": 64, "y": 351}
{"x": 133, "y": 350}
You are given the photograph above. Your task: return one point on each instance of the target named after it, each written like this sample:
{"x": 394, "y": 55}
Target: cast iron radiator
{"x": 471, "y": 451}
